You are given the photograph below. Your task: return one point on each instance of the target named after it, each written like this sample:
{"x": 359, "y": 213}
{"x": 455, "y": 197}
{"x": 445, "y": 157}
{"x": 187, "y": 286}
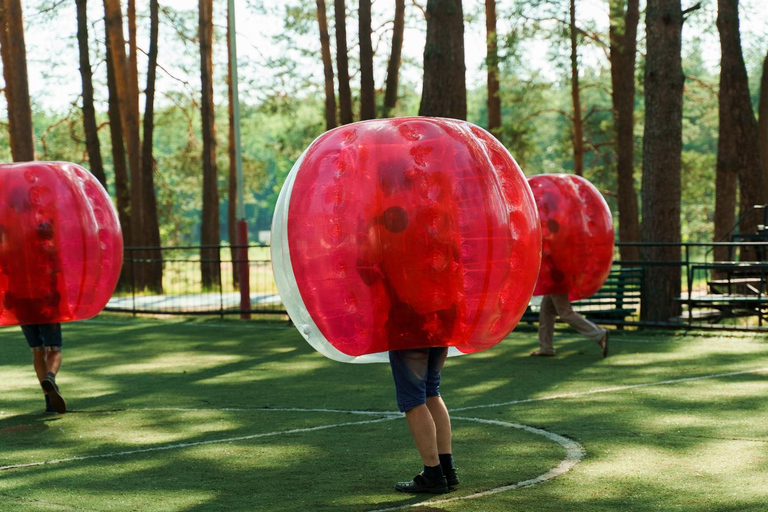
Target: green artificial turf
{"x": 227, "y": 415}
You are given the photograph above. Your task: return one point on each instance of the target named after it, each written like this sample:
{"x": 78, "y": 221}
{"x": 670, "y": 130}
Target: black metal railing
{"x": 705, "y": 301}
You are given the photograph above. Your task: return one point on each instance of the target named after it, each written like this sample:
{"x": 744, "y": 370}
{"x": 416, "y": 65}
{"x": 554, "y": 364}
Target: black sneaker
{"x": 451, "y": 477}
{"x": 56, "y": 400}
{"x": 48, "y": 406}
{"x": 422, "y": 484}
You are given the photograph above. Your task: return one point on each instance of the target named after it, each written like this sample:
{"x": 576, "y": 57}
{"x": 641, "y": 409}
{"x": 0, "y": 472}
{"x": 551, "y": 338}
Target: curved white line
{"x": 574, "y": 453}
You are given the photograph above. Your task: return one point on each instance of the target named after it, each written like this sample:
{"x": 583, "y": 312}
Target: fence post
{"x": 243, "y": 269}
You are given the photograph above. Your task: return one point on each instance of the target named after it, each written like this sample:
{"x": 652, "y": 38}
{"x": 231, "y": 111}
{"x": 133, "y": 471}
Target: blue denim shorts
{"x": 43, "y": 335}
{"x": 417, "y": 374}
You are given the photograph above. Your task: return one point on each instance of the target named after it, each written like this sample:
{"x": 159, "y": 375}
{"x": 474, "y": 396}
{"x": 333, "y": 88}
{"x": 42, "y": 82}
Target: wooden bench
{"x": 617, "y": 299}
{"x": 740, "y": 291}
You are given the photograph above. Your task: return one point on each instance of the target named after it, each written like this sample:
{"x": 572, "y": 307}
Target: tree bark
{"x": 129, "y": 123}
{"x": 662, "y": 161}
{"x": 738, "y": 151}
{"x": 325, "y": 51}
{"x": 154, "y": 269}
{"x": 623, "y": 49}
{"x": 367, "y": 87}
{"x": 342, "y": 62}
{"x": 133, "y": 59}
{"x": 89, "y": 112}
{"x": 395, "y": 57}
{"x": 492, "y": 62}
{"x": 578, "y": 121}
{"x": 763, "y": 127}
{"x": 122, "y": 193}
{"x": 14, "y": 56}
{"x": 444, "y": 92}
{"x": 209, "y": 232}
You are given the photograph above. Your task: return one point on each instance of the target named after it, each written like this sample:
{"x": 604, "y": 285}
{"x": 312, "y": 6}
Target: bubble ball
{"x": 405, "y": 233}
{"x": 577, "y": 235}
{"x": 61, "y": 247}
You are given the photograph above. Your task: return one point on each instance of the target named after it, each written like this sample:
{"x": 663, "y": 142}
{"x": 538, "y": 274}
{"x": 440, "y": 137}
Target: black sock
{"x": 51, "y": 376}
{"x": 446, "y": 461}
{"x": 433, "y": 472}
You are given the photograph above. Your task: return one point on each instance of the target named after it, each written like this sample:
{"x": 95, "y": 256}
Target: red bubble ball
{"x": 577, "y": 235}
{"x": 405, "y": 233}
{"x": 61, "y": 248}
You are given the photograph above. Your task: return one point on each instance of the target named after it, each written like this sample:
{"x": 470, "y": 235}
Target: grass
{"x": 237, "y": 416}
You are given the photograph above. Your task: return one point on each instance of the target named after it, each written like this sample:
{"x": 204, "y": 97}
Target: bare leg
{"x": 52, "y": 359}
{"x": 423, "y": 431}
{"x": 38, "y": 361}
{"x": 442, "y": 421}
{"x": 546, "y": 326}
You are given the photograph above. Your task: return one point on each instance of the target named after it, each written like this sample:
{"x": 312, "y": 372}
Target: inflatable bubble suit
{"x": 405, "y": 233}
{"x": 577, "y": 235}
{"x": 61, "y": 248}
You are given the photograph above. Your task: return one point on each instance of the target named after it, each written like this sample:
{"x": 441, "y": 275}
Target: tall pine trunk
{"x": 623, "y": 49}
{"x": 113, "y": 18}
{"x": 367, "y": 86}
{"x": 395, "y": 56}
{"x": 342, "y": 62}
{"x": 492, "y": 62}
{"x": 578, "y": 120}
{"x": 325, "y": 52}
{"x": 89, "y": 112}
{"x": 762, "y": 128}
{"x": 209, "y": 231}
{"x": 444, "y": 92}
{"x": 122, "y": 193}
{"x": 154, "y": 270}
{"x": 738, "y": 152}
{"x": 14, "y": 56}
{"x": 662, "y": 161}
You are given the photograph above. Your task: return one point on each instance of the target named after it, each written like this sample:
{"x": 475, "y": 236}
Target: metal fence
{"x": 728, "y": 295}
{"x": 183, "y": 292}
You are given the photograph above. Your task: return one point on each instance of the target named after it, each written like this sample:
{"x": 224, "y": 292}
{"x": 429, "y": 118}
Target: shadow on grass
{"x": 124, "y": 381}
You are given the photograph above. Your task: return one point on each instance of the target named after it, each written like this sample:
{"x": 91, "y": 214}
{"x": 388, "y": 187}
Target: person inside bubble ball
{"x": 421, "y": 312}
{"x": 555, "y": 305}
{"x": 34, "y": 299}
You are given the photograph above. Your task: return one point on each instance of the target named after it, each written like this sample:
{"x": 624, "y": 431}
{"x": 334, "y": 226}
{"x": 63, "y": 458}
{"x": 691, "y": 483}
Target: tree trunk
{"x": 14, "y": 56}
{"x": 133, "y": 59}
{"x": 395, "y": 57}
{"x": 209, "y": 232}
{"x": 325, "y": 51}
{"x": 367, "y": 87}
{"x": 129, "y": 123}
{"x": 662, "y": 161}
{"x": 232, "y": 175}
{"x": 89, "y": 113}
{"x": 738, "y": 151}
{"x": 154, "y": 269}
{"x": 578, "y": 121}
{"x": 763, "y": 128}
{"x": 444, "y": 92}
{"x": 623, "y": 37}
{"x": 492, "y": 62}
{"x": 342, "y": 62}
{"x": 122, "y": 193}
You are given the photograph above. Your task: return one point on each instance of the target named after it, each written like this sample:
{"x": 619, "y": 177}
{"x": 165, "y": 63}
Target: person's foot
{"x": 48, "y": 406}
{"x": 542, "y": 353}
{"x": 422, "y": 484}
{"x": 56, "y": 400}
{"x": 451, "y": 478}
{"x": 604, "y": 344}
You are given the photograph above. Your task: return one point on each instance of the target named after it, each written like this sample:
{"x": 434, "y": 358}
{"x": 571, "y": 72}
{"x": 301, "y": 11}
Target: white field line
{"x": 196, "y": 443}
{"x": 611, "y": 389}
{"x": 574, "y": 453}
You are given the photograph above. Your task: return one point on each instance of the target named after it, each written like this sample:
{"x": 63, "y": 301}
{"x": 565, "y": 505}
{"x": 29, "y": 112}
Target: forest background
{"x": 553, "y": 70}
